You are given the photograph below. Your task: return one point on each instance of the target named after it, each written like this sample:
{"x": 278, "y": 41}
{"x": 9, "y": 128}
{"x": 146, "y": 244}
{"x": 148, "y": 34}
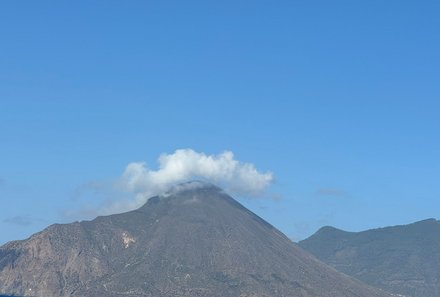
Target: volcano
{"x": 192, "y": 241}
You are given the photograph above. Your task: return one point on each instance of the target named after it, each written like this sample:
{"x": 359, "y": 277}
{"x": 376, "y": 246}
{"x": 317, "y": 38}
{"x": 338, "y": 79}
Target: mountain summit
{"x": 193, "y": 241}
{"x": 400, "y": 259}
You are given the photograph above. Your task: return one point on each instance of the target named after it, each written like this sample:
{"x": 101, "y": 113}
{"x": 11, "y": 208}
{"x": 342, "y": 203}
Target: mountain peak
{"x": 190, "y": 186}
{"x": 195, "y": 240}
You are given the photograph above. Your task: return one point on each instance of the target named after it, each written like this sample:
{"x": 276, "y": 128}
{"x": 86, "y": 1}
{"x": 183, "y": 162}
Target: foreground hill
{"x": 193, "y": 241}
{"x": 400, "y": 259}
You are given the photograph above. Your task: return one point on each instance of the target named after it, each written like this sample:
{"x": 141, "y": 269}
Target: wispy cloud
{"x": 142, "y": 182}
{"x": 91, "y": 187}
{"x": 19, "y": 220}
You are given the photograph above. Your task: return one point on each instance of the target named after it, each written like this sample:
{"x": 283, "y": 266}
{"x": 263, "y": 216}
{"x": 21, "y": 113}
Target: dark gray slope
{"x": 195, "y": 241}
{"x": 400, "y": 259}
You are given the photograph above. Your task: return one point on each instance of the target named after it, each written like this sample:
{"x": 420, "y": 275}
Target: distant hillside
{"x": 400, "y": 259}
{"x": 192, "y": 242}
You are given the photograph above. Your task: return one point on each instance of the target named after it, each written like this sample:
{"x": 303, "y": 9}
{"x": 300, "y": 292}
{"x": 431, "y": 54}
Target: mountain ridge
{"x": 402, "y": 259}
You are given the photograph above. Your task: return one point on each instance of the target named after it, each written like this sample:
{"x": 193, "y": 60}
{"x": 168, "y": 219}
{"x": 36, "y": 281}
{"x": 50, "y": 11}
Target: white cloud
{"x": 183, "y": 165}
{"x": 186, "y": 164}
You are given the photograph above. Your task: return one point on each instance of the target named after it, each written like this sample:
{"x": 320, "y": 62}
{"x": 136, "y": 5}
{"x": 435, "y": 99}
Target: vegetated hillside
{"x": 192, "y": 241}
{"x": 400, "y": 259}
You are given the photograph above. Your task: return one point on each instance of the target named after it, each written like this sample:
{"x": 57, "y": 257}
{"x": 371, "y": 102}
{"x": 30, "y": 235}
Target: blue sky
{"x": 340, "y": 100}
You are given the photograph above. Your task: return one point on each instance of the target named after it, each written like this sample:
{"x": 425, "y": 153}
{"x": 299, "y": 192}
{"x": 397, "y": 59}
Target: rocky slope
{"x": 400, "y": 259}
{"x": 193, "y": 241}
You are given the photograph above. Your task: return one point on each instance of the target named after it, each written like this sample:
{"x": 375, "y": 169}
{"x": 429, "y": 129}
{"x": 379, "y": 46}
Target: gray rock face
{"x": 194, "y": 241}
{"x": 401, "y": 259}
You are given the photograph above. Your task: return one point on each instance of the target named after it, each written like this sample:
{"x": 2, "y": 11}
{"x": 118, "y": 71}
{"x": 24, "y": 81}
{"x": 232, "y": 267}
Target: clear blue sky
{"x": 339, "y": 99}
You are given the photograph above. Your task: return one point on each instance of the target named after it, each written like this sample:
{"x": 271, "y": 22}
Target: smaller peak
{"x": 426, "y": 222}
{"x": 329, "y": 229}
